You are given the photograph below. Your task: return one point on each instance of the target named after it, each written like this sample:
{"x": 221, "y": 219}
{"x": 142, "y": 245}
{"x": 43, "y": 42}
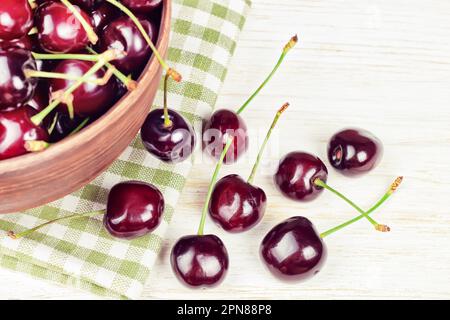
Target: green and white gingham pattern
{"x": 80, "y": 252}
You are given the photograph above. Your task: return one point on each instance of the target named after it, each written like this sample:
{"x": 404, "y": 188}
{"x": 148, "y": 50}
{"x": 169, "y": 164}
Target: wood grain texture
{"x": 75, "y": 161}
{"x": 383, "y": 65}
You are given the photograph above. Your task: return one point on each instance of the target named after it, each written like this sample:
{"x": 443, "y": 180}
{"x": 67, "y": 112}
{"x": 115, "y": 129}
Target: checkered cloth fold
{"x": 80, "y": 252}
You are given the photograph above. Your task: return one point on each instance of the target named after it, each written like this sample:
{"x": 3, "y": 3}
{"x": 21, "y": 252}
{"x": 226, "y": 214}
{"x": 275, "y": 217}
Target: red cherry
{"x": 90, "y": 98}
{"x": 216, "y": 131}
{"x": 354, "y": 151}
{"x": 296, "y": 174}
{"x": 16, "y": 19}
{"x": 59, "y": 30}
{"x": 236, "y": 205}
{"x": 122, "y": 34}
{"x": 200, "y": 261}
{"x": 293, "y": 250}
{"x": 16, "y": 128}
{"x": 134, "y": 209}
{"x": 20, "y": 43}
{"x": 103, "y": 15}
{"x": 15, "y": 87}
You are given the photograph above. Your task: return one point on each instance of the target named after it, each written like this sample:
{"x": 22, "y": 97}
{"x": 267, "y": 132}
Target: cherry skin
{"x": 354, "y": 151}
{"x": 293, "y": 250}
{"x": 90, "y": 98}
{"x": 217, "y": 130}
{"x": 237, "y": 205}
{"x": 19, "y": 43}
{"x": 15, "y": 88}
{"x": 103, "y": 15}
{"x": 16, "y": 128}
{"x": 200, "y": 261}
{"x": 172, "y": 144}
{"x": 142, "y": 6}
{"x": 134, "y": 209}
{"x": 59, "y": 30}
{"x": 16, "y": 19}
{"x": 122, "y": 34}
{"x": 296, "y": 174}
{"x": 40, "y": 98}
{"x": 62, "y": 125}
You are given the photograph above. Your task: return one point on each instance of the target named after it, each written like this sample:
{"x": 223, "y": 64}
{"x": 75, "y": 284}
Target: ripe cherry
{"x": 354, "y": 151}
{"x": 122, "y": 34}
{"x": 200, "y": 260}
{"x": 59, "y": 30}
{"x": 134, "y": 209}
{"x": 15, "y": 87}
{"x": 237, "y": 205}
{"x": 60, "y": 125}
{"x": 92, "y": 97}
{"x": 16, "y": 129}
{"x": 224, "y": 123}
{"x": 142, "y": 6}
{"x": 16, "y": 19}
{"x": 296, "y": 174}
{"x": 166, "y": 134}
{"x": 294, "y": 251}
{"x": 20, "y": 43}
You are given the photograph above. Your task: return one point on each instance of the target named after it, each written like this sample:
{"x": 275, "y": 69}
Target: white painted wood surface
{"x": 383, "y": 65}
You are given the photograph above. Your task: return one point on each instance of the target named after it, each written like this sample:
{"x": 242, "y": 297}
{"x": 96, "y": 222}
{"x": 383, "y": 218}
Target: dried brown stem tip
{"x": 174, "y": 75}
{"x": 291, "y": 43}
{"x": 284, "y": 107}
{"x": 395, "y": 184}
{"x": 12, "y": 235}
{"x": 382, "y": 228}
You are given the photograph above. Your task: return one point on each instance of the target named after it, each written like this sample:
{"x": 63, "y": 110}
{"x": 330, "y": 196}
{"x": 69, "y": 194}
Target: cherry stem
{"x": 32, "y": 31}
{"x": 106, "y": 57}
{"x": 263, "y": 146}
{"x": 36, "y": 145}
{"x": 127, "y": 81}
{"x": 80, "y": 126}
{"x": 172, "y": 72}
{"x": 212, "y": 184}
{"x": 167, "y": 122}
{"x": 292, "y": 42}
{"x": 15, "y": 236}
{"x": 29, "y": 73}
{"x": 382, "y": 228}
{"x": 32, "y": 4}
{"x": 322, "y": 184}
{"x": 66, "y": 56}
{"x": 92, "y": 36}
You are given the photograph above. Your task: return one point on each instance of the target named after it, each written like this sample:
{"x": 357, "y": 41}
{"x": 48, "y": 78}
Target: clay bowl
{"x": 36, "y": 179}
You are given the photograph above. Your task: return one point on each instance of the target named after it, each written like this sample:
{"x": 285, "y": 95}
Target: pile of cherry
{"x": 292, "y": 250}
{"x": 64, "y": 63}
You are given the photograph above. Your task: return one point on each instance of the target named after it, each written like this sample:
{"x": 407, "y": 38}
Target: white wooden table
{"x": 383, "y": 65}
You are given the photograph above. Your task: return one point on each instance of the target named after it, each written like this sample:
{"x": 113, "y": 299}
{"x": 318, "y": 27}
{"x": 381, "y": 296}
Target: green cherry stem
{"x": 212, "y": 184}
{"x": 33, "y": 4}
{"x": 167, "y": 122}
{"x": 172, "y": 72}
{"x": 263, "y": 146}
{"x": 29, "y": 73}
{"x": 106, "y": 57}
{"x": 66, "y": 56}
{"x": 292, "y": 42}
{"x": 26, "y": 233}
{"x": 80, "y": 126}
{"x": 92, "y": 36}
{"x": 127, "y": 81}
{"x": 390, "y": 191}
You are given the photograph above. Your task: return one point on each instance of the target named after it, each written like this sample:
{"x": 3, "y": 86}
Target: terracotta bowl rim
{"x": 116, "y": 111}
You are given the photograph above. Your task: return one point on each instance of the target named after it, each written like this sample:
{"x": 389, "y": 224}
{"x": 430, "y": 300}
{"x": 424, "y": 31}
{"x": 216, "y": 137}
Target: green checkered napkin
{"x": 80, "y": 252}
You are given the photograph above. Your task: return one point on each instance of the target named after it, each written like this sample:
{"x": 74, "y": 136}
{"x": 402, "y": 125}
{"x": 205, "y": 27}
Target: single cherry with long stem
{"x": 224, "y": 123}
{"x": 134, "y": 209}
{"x": 166, "y": 134}
{"x": 202, "y": 260}
{"x": 294, "y": 250}
{"x": 302, "y": 177}
{"x": 237, "y": 205}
